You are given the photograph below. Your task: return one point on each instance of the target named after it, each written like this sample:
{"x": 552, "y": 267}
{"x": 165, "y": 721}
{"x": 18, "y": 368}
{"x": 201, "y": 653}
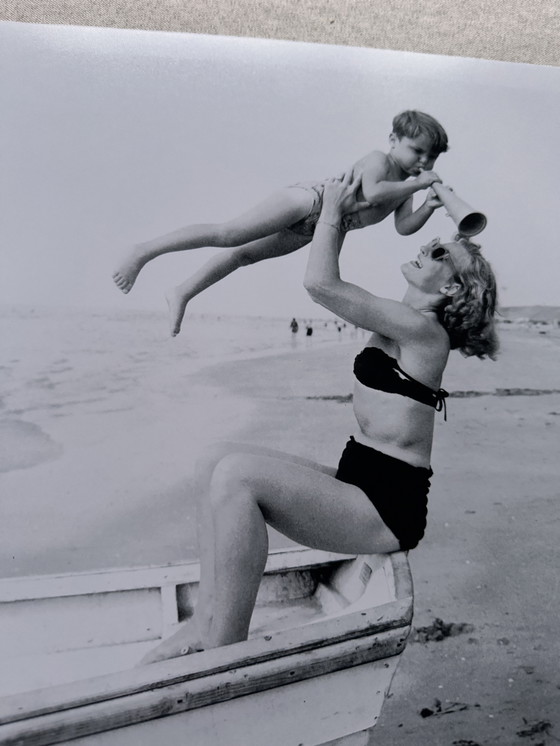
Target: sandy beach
{"x": 101, "y": 426}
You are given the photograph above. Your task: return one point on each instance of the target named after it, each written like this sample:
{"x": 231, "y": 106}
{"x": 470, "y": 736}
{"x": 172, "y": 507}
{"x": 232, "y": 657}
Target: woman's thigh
{"x": 306, "y": 503}
{"x": 216, "y": 452}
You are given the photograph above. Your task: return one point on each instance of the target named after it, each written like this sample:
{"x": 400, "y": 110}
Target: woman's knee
{"x": 207, "y": 462}
{"x": 232, "y": 478}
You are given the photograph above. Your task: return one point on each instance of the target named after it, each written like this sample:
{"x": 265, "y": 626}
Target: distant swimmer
{"x": 285, "y": 221}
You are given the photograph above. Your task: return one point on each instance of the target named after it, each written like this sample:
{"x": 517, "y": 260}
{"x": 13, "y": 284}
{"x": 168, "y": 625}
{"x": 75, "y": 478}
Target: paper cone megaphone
{"x": 469, "y": 221}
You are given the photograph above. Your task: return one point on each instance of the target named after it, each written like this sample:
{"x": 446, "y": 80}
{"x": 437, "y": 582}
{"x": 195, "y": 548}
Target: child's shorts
{"x": 306, "y": 226}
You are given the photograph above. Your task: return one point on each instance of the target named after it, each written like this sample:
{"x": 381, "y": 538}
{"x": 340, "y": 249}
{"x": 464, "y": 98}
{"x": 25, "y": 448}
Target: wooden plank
{"x": 68, "y": 623}
{"x": 83, "y": 584}
{"x": 362, "y": 624}
{"x": 58, "y": 727}
{"x": 305, "y": 713}
{"x": 404, "y": 586}
{"x": 169, "y": 611}
{"x": 28, "y": 673}
{"x": 79, "y": 584}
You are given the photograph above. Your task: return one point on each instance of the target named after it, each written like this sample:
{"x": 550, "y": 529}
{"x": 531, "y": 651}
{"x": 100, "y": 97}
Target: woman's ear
{"x": 450, "y": 290}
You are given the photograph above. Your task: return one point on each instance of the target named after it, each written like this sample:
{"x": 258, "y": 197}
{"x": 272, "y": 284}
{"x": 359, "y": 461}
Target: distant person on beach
{"x": 376, "y": 501}
{"x": 285, "y": 221}
{"x": 294, "y": 326}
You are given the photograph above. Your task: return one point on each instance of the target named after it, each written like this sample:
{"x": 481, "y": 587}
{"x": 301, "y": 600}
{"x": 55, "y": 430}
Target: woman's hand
{"x": 340, "y": 195}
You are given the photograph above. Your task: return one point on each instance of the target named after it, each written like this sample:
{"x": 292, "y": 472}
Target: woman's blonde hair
{"x": 468, "y": 316}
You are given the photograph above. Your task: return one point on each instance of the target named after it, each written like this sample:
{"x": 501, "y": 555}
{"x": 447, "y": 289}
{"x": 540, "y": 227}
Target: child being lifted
{"x": 285, "y": 221}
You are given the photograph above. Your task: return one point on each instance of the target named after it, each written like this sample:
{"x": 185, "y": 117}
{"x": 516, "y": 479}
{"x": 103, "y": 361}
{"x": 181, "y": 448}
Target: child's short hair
{"x": 415, "y": 123}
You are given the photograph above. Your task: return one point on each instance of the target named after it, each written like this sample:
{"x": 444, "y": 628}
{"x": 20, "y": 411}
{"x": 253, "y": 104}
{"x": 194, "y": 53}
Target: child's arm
{"x": 408, "y": 222}
{"x": 378, "y": 188}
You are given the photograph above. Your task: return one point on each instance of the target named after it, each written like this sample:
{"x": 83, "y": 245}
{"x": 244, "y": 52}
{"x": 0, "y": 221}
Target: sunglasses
{"x": 439, "y": 253}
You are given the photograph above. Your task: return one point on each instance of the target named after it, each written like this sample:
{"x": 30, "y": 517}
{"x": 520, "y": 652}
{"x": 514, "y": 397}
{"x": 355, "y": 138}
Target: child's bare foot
{"x": 182, "y": 642}
{"x": 177, "y": 303}
{"x": 126, "y": 273}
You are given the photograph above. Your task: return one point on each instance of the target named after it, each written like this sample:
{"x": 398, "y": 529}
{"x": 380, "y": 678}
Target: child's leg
{"x": 224, "y": 264}
{"x": 272, "y": 215}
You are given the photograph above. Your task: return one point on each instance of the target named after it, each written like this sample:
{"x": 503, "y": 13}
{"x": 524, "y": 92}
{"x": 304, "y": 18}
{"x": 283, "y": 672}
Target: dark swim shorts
{"x": 399, "y": 491}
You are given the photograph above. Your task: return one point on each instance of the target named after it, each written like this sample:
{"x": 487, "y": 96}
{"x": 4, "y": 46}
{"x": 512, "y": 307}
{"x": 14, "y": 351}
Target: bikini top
{"x": 376, "y": 369}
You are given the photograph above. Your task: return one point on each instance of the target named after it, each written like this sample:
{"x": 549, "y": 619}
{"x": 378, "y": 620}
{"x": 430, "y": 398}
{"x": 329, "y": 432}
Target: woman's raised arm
{"x": 325, "y": 286}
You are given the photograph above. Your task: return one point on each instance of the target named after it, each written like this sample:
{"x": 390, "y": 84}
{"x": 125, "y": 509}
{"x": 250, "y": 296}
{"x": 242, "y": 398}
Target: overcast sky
{"x": 112, "y": 137}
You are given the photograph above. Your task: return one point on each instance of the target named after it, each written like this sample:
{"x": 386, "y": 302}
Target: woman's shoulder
{"x": 428, "y": 351}
{"x": 415, "y": 328}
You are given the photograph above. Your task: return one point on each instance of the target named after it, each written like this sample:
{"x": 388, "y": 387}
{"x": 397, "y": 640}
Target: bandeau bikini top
{"x": 376, "y": 369}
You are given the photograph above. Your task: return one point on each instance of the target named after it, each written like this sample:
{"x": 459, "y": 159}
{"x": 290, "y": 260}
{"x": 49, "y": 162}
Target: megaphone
{"x": 469, "y": 221}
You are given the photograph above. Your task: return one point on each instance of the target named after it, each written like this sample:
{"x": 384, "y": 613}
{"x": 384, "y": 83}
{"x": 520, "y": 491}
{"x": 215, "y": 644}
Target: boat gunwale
{"x": 135, "y": 708}
{"x": 60, "y": 585}
{"x": 281, "y": 644}
{"x": 404, "y": 587}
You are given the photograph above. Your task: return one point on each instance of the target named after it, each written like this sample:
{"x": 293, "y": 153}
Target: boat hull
{"x": 318, "y": 682}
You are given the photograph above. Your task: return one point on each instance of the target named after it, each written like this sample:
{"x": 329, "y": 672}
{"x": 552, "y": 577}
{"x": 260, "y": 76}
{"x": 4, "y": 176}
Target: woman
{"x": 376, "y": 500}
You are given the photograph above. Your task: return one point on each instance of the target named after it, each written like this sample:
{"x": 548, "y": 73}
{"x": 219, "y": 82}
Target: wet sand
{"x": 111, "y": 476}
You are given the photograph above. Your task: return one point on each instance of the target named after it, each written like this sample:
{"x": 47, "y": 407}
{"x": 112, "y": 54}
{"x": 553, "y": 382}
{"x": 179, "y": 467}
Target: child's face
{"x": 413, "y": 155}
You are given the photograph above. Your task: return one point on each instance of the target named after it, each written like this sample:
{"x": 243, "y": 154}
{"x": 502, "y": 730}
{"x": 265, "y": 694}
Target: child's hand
{"x": 339, "y": 195}
{"x": 426, "y": 178}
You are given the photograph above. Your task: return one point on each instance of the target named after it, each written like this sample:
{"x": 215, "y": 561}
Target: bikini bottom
{"x": 398, "y": 490}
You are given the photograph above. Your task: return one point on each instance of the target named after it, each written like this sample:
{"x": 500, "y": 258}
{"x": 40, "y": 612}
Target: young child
{"x": 285, "y": 221}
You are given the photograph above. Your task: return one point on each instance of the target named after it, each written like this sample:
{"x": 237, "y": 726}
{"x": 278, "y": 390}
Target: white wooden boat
{"x": 325, "y": 640}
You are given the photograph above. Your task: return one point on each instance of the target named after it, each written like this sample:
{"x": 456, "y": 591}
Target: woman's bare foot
{"x": 183, "y": 642}
{"x": 177, "y": 303}
{"x": 126, "y": 273}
